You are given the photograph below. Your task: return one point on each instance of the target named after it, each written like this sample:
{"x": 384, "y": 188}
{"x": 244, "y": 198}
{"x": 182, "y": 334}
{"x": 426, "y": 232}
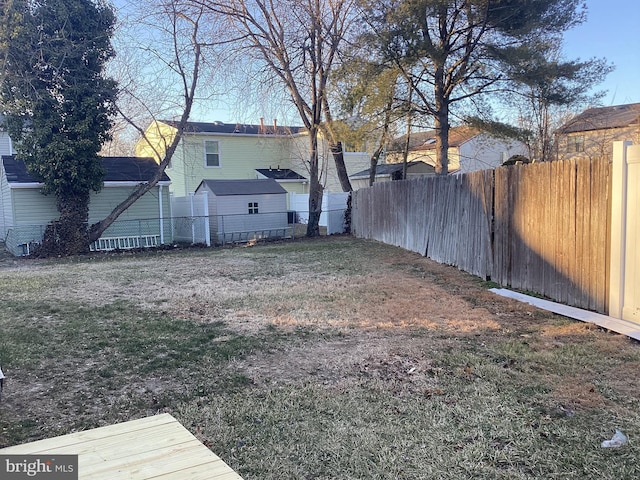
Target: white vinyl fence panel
{"x": 334, "y": 206}
{"x": 190, "y": 217}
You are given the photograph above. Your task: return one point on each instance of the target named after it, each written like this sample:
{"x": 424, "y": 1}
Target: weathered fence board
{"x": 542, "y": 228}
{"x": 447, "y": 219}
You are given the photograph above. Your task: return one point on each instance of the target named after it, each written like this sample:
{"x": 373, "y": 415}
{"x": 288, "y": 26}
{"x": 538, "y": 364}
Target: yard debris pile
{"x": 618, "y": 440}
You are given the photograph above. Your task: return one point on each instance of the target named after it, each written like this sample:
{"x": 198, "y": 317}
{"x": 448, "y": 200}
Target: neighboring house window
{"x": 211, "y": 153}
{"x": 353, "y": 147}
{"x": 578, "y": 143}
{"x": 253, "y": 207}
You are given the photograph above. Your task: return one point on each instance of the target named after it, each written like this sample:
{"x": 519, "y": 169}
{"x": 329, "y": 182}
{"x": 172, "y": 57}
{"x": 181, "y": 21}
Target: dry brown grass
{"x": 332, "y": 358}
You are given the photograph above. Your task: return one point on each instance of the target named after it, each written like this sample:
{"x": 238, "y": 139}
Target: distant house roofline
{"x": 280, "y": 174}
{"x": 386, "y": 170}
{"x": 603, "y": 118}
{"x": 220, "y": 128}
{"x": 426, "y": 140}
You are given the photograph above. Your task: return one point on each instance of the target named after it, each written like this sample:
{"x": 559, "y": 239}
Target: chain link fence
{"x": 21, "y": 240}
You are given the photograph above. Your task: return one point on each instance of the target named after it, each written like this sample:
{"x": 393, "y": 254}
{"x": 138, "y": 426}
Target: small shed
{"x": 241, "y": 210}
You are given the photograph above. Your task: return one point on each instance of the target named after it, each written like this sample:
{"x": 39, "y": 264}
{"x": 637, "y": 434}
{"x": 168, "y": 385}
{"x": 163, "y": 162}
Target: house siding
{"x": 427, "y": 156}
{"x": 239, "y": 158}
{"x": 597, "y": 143}
{"x": 483, "y": 152}
{"x": 478, "y": 153}
{"x": 6, "y": 209}
{"x": 354, "y": 162}
{"x": 146, "y": 207}
{"x": 5, "y": 144}
{"x": 30, "y": 207}
{"x": 143, "y": 217}
{"x": 159, "y": 135}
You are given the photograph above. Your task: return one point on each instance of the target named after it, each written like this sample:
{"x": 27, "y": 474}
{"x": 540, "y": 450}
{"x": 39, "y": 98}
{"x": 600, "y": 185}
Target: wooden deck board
{"x": 624, "y": 327}
{"x": 156, "y": 447}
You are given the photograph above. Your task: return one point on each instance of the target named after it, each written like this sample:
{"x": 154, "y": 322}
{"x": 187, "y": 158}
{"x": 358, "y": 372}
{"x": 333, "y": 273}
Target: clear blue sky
{"x": 612, "y": 31}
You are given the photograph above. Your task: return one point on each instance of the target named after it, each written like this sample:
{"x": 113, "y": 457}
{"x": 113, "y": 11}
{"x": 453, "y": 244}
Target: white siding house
{"x": 245, "y": 209}
{"x": 470, "y": 149}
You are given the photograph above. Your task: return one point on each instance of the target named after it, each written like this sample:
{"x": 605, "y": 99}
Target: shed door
{"x": 625, "y": 230}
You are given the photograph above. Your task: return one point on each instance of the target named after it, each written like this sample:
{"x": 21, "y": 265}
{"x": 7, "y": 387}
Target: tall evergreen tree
{"x": 58, "y": 103}
{"x": 452, "y": 51}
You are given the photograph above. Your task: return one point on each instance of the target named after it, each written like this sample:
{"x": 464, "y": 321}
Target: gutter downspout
{"x": 161, "y": 215}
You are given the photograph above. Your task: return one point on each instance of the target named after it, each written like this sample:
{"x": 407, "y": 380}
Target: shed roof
{"x": 427, "y": 140}
{"x": 117, "y": 169}
{"x": 238, "y": 128}
{"x": 223, "y": 188}
{"x": 280, "y": 173}
{"x": 601, "y": 118}
{"x": 388, "y": 169}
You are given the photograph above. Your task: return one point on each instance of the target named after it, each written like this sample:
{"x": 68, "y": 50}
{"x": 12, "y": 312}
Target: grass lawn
{"x": 316, "y": 359}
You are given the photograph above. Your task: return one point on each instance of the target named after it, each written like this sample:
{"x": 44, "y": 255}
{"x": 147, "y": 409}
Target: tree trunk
{"x": 67, "y": 235}
{"x": 341, "y": 168}
{"x": 375, "y": 158}
{"x": 373, "y": 165}
{"x": 442, "y": 125}
{"x": 315, "y": 188}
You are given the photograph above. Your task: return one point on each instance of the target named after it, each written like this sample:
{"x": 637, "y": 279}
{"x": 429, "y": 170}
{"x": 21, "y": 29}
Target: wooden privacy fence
{"x": 447, "y": 219}
{"x": 541, "y": 227}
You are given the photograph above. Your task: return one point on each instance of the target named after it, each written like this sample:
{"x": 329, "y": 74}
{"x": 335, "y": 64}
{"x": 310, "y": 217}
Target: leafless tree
{"x": 175, "y": 71}
{"x": 298, "y": 42}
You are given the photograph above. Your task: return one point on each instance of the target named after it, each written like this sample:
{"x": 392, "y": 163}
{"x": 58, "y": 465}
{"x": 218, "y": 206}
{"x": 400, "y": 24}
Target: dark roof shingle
{"x": 240, "y": 128}
{"x": 602, "y": 118}
{"x": 223, "y": 188}
{"x": 388, "y": 169}
{"x": 280, "y": 173}
{"x": 117, "y": 169}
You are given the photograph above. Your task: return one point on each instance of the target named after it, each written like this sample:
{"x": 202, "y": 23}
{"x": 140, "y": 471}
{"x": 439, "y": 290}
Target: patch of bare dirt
{"x": 402, "y": 364}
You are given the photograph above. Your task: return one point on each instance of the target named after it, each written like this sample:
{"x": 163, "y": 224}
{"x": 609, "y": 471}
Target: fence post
{"x": 207, "y": 229}
{"x": 193, "y": 225}
{"x": 161, "y": 215}
{"x": 173, "y": 224}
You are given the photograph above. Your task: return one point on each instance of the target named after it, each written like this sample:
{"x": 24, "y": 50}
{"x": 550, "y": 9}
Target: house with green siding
{"x": 227, "y": 151}
{"x": 25, "y": 211}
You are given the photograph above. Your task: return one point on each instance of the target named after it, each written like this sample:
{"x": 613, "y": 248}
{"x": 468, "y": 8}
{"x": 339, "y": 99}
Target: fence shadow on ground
{"x": 541, "y": 228}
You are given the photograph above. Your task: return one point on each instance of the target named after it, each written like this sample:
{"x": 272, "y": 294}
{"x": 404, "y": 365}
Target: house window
{"x": 211, "y": 153}
{"x": 354, "y": 147}
{"x": 577, "y": 143}
{"x": 253, "y": 207}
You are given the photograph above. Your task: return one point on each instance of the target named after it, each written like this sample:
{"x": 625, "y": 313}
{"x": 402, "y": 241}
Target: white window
{"x": 577, "y": 143}
{"x": 253, "y": 207}
{"x": 211, "y": 153}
